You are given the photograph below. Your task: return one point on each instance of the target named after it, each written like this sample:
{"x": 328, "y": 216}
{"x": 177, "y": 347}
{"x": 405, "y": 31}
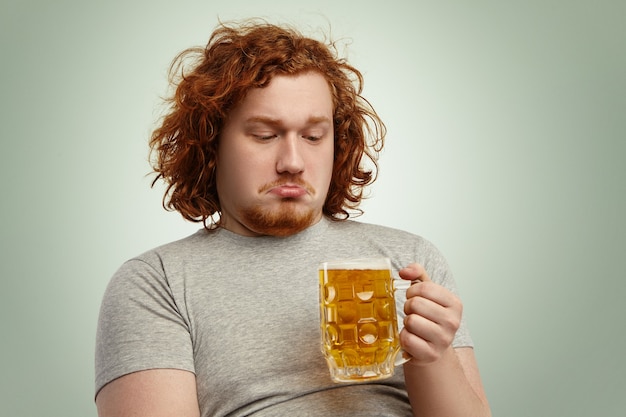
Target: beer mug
{"x": 358, "y": 319}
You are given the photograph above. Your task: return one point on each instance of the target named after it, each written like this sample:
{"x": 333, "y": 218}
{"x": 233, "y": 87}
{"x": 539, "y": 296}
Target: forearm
{"x": 444, "y": 389}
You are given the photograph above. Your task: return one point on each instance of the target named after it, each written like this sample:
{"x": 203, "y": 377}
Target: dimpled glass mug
{"x": 358, "y": 319}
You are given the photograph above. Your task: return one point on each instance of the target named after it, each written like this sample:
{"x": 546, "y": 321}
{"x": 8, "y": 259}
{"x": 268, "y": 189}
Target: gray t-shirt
{"x": 242, "y": 314}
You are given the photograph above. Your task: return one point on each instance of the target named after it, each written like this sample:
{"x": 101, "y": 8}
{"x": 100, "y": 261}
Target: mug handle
{"x": 402, "y": 357}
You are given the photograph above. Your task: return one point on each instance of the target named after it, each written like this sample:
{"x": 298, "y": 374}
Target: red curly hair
{"x": 237, "y": 58}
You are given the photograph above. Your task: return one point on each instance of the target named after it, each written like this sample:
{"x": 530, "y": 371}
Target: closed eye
{"x": 314, "y": 135}
{"x": 264, "y": 136}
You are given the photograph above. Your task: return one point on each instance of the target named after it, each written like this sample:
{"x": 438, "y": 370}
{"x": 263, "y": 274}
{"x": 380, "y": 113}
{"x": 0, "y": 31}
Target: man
{"x": 265, "y": 143}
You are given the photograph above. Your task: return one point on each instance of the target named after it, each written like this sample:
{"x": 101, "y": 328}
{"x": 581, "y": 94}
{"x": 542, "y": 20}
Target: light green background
{"x": 506, "y": 148}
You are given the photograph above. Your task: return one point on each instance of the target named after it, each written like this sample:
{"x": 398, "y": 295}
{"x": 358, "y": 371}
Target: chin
{"x": 283, "y": 221}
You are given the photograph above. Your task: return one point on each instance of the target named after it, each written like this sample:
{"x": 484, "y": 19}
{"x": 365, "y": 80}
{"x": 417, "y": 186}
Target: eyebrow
{"x": 312, "y": 120}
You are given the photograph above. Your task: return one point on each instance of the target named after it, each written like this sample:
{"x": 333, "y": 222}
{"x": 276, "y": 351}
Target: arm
{"x": 440, "y": 380}
{"x": 153, "y": 393}
{"x": 140, "y": 326}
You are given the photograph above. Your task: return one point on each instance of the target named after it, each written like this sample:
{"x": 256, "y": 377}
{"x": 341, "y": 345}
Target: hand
{"x": 433, "y": 315}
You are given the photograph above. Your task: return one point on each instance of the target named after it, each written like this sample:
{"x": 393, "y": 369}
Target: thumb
{"x": 414, "y": 272}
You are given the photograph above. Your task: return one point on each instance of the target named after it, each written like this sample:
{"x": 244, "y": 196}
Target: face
{"x": 275, "y": 157}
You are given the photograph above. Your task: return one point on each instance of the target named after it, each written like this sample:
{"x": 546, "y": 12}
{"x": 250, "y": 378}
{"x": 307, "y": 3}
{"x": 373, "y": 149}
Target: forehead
{"x": 288, "y": 95}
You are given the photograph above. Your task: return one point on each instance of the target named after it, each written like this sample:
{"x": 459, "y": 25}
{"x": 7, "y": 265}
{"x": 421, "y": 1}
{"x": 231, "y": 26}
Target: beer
{"x": 358, "y": 320}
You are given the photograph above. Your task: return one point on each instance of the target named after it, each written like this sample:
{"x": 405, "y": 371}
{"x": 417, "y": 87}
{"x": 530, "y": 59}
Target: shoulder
{"x": 376, "y": 231}
{"x": 156, "y": 264}
{"x": 398, "y": 244}
{"x": 175, "y": 249}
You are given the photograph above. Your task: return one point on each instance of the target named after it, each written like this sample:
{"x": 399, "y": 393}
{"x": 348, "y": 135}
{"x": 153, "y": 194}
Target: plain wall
{"x": 505, "y": 148}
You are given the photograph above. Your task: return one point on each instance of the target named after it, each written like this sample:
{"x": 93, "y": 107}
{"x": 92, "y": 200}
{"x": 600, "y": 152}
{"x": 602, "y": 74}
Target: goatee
{"x": 287, "y": 220}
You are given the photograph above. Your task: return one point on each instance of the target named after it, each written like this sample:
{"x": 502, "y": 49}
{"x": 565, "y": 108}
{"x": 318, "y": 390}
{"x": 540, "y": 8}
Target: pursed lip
{"x": 289, "y": 190}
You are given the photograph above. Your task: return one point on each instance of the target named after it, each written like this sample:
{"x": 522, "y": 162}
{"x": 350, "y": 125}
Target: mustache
{"x": 288, "y": 181}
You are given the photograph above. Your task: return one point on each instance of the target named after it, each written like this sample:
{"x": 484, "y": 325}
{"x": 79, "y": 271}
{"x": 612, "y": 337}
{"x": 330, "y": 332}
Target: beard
{"x": 287, "y": 220}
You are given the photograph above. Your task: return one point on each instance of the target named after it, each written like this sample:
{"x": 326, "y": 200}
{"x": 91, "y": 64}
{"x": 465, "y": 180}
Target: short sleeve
{"x": 140, "y": 325}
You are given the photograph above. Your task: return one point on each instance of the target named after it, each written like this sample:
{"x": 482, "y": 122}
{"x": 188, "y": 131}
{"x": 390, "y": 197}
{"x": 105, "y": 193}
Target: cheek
{"x": 326, "y": 168}
{"x": 235, "y": 165}
{"x": 244, "y": 179}
{"x": 237, "y": 179}
{"x": 321, "y": 172}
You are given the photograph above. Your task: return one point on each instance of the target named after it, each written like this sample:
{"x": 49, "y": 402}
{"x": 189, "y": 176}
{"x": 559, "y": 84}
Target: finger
{"x": 424, "y": 307}
{"x": 414, "y": 272}
{"x": 445, "y": 317}
{"x": 435, "y": 293}
{"x": 427, "y": 330}
{"x": 418, "y": 348}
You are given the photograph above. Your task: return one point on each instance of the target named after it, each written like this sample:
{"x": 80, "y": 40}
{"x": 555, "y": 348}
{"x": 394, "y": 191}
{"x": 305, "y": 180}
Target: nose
{"x": 290, "y": 158}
